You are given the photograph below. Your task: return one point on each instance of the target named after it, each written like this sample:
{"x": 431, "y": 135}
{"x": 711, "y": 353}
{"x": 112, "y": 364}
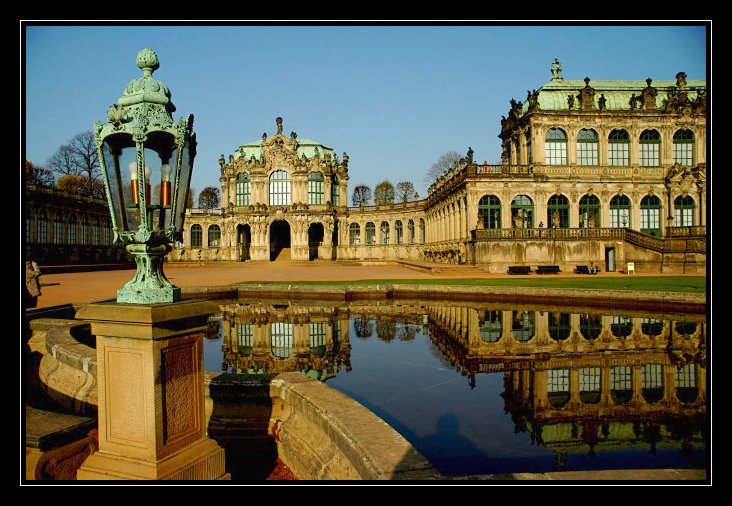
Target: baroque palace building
{"x": 609, "y": 172}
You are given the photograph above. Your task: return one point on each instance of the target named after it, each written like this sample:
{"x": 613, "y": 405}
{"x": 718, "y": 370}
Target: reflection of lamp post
{"x": 141, "y": 134}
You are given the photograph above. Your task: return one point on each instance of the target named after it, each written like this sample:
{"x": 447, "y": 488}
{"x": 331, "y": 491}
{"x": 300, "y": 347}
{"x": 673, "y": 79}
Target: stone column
{"x": 150, "y": 391}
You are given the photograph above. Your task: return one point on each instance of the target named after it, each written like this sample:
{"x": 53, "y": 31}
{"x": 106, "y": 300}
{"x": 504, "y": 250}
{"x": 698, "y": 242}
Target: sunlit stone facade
{"x": 608, "y": 172}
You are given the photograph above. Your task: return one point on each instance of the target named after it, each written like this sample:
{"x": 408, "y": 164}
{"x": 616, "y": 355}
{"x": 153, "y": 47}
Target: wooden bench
{"x": 584, "y": 269}
{"x": 519, "y": 269}
{"x": 547, "y": 269}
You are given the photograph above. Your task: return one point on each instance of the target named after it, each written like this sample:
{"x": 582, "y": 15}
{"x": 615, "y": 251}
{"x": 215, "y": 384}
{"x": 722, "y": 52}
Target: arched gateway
{"x": 279, "y": 240}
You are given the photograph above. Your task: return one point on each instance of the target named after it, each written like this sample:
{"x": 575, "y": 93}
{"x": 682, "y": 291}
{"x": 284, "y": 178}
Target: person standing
{"x": 32, "y": 286}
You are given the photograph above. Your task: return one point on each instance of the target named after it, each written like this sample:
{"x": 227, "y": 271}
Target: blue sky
{"x": 394, "y": 98}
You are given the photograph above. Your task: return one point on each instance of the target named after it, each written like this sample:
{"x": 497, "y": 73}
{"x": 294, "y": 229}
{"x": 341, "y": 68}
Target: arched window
{"x": 317, "y": 339}
{"x": 621, "y": 326}
{"x": 651, "y": 327}
{"x": 410, "y": 231}
{"x": 245, "y": 338}
{"x": 42, "y": 227}
{"x": 354, "y": 234}
{"x": 587, "y": 142}
{"x": 71, "y": 236}
{"x": 95, "y": 232}
{"x": 650, "y": 215}
{"x": 243, "y": 190}
{"x": 107, "y": 234}
{"x": 384, "y": 229}
{"x": 491, "y": 328}
{"x": 557, "y": 212}
{"x": 620, "y": 211}
{"x": 589, "y": 385}
{"x": 555, "y": 147}
{"x": 370, "y": 233}
{"x": 335, "y": 192}
{"x": 686, "y": 389}
{"x": 196, "y": 236}
{"x": 559, "y": 326}
{"x": 557, "y": 387}
{"x": 523, "y": 326}
{"x": 650, "y": 148}
{"x": 618, "y": 148}
{"x": 522, "y": 212}
{"x": 489, "y": 211}
{"x": 84, "y": 230}
{"x": 214, "y": 236}
{"x": 421, "y": 231}
{"x": 590, "y": 326}
{"x": 684, "y": 147}
{"x": 281, "y": 339}
{"x": 58, "y": 229}
{"x": 652, "y": 382}
{"x": 315, "y": 188}
{"x": 684, "y": 211}
{"x": 279, "y": 188}
{"x": 589, "y": 212}
{"x": 621, "y": 384}
{"x": 399, "y": 232}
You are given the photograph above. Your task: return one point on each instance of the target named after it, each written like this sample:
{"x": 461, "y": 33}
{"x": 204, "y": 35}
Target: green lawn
{"x": 692, "y": 284}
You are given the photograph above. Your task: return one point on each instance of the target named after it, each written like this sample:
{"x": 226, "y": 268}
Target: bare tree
{"x": 444, "y": 163}
{"x": 404, "y": 191}
{"x": 79, "y": 158}
{"x": 361, "y": 193}
{"x": 38, "y": 176}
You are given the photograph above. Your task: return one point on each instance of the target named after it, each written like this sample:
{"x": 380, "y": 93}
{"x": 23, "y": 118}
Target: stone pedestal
{"x": 151, "y": 397}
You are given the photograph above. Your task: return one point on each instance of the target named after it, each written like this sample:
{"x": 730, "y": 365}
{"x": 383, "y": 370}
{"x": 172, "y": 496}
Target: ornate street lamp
{"x": 146, "y": 160}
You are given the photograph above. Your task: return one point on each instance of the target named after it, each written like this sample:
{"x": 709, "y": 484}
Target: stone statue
{"x": 556, "y": 70}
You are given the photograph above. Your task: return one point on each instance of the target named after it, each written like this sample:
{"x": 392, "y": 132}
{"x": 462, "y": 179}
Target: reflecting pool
{"x": 489, "y": 388}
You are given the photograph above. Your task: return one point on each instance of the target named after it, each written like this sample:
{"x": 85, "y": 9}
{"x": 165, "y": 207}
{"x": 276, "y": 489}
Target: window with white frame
{"x": 279, "y": 188}
{"x": 555, "y": 147}
{"x": 587, "y": 147}
{"x": 684, "y": 147}
{"x": 650, "y": 149}
{"x": 618, "y": 148}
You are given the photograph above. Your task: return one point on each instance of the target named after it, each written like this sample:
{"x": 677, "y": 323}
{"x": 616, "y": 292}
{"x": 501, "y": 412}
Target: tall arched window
{"x": 243, "y": 189}
{"x": 650, "y": 148}
{"x": 620, "y": 211}
{"x": 281, "y": 339}
{"x": 618, "y": 148}
{"x": 421, "y": 231}
{"x": 370, "y": 233}
{"x": 399, "y": 232}
{"x": 557, "y": 212}
{"x": 354, "y": 234}
{"x": 214, "y": 236}
{"x": 58, "y": 229}
{"x": 489, "y": 211}
{"x": 491, "y": 327}
{"x": 315, "y": 188}
{"x": 42, "y": 227}
{"x": 71, "y": 236}
{"x": 522, "y": 212}
{"x": 555, "y": 147}
{"x": 84, "y": 230}
{"x": 684, "y": 211}
{"x": 650, "y": 215}
{"x": 95, "y": 232}
{"x": 587, "y": 147}
{"x": 107, "y": 233}
{"x": 684, "y": 147}
{"x": 384, "y": 229}
{"x": 589, "y": 212}
{"x": 335, "y": 192}
{"x": 410, "y": 231}
{"x": 279, "y": 188}
{"x": 196, "y": 236}
{"x": 523, "y": 325}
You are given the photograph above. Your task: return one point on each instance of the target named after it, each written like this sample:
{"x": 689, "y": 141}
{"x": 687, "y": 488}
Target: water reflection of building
{"x": 272, "y": 338}
{"x": 581, "y": 382}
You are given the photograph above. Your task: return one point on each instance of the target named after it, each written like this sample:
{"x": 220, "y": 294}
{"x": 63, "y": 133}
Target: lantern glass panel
{"x": 183, "y": 185}
{"x": 116, "y": 184}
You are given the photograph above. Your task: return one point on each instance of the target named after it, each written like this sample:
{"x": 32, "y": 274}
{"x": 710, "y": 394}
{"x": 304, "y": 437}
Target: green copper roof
{"x": 304, "y": 147}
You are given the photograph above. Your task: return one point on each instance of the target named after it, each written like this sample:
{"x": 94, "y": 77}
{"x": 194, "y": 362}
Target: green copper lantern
{"x": 146, "y": 159}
